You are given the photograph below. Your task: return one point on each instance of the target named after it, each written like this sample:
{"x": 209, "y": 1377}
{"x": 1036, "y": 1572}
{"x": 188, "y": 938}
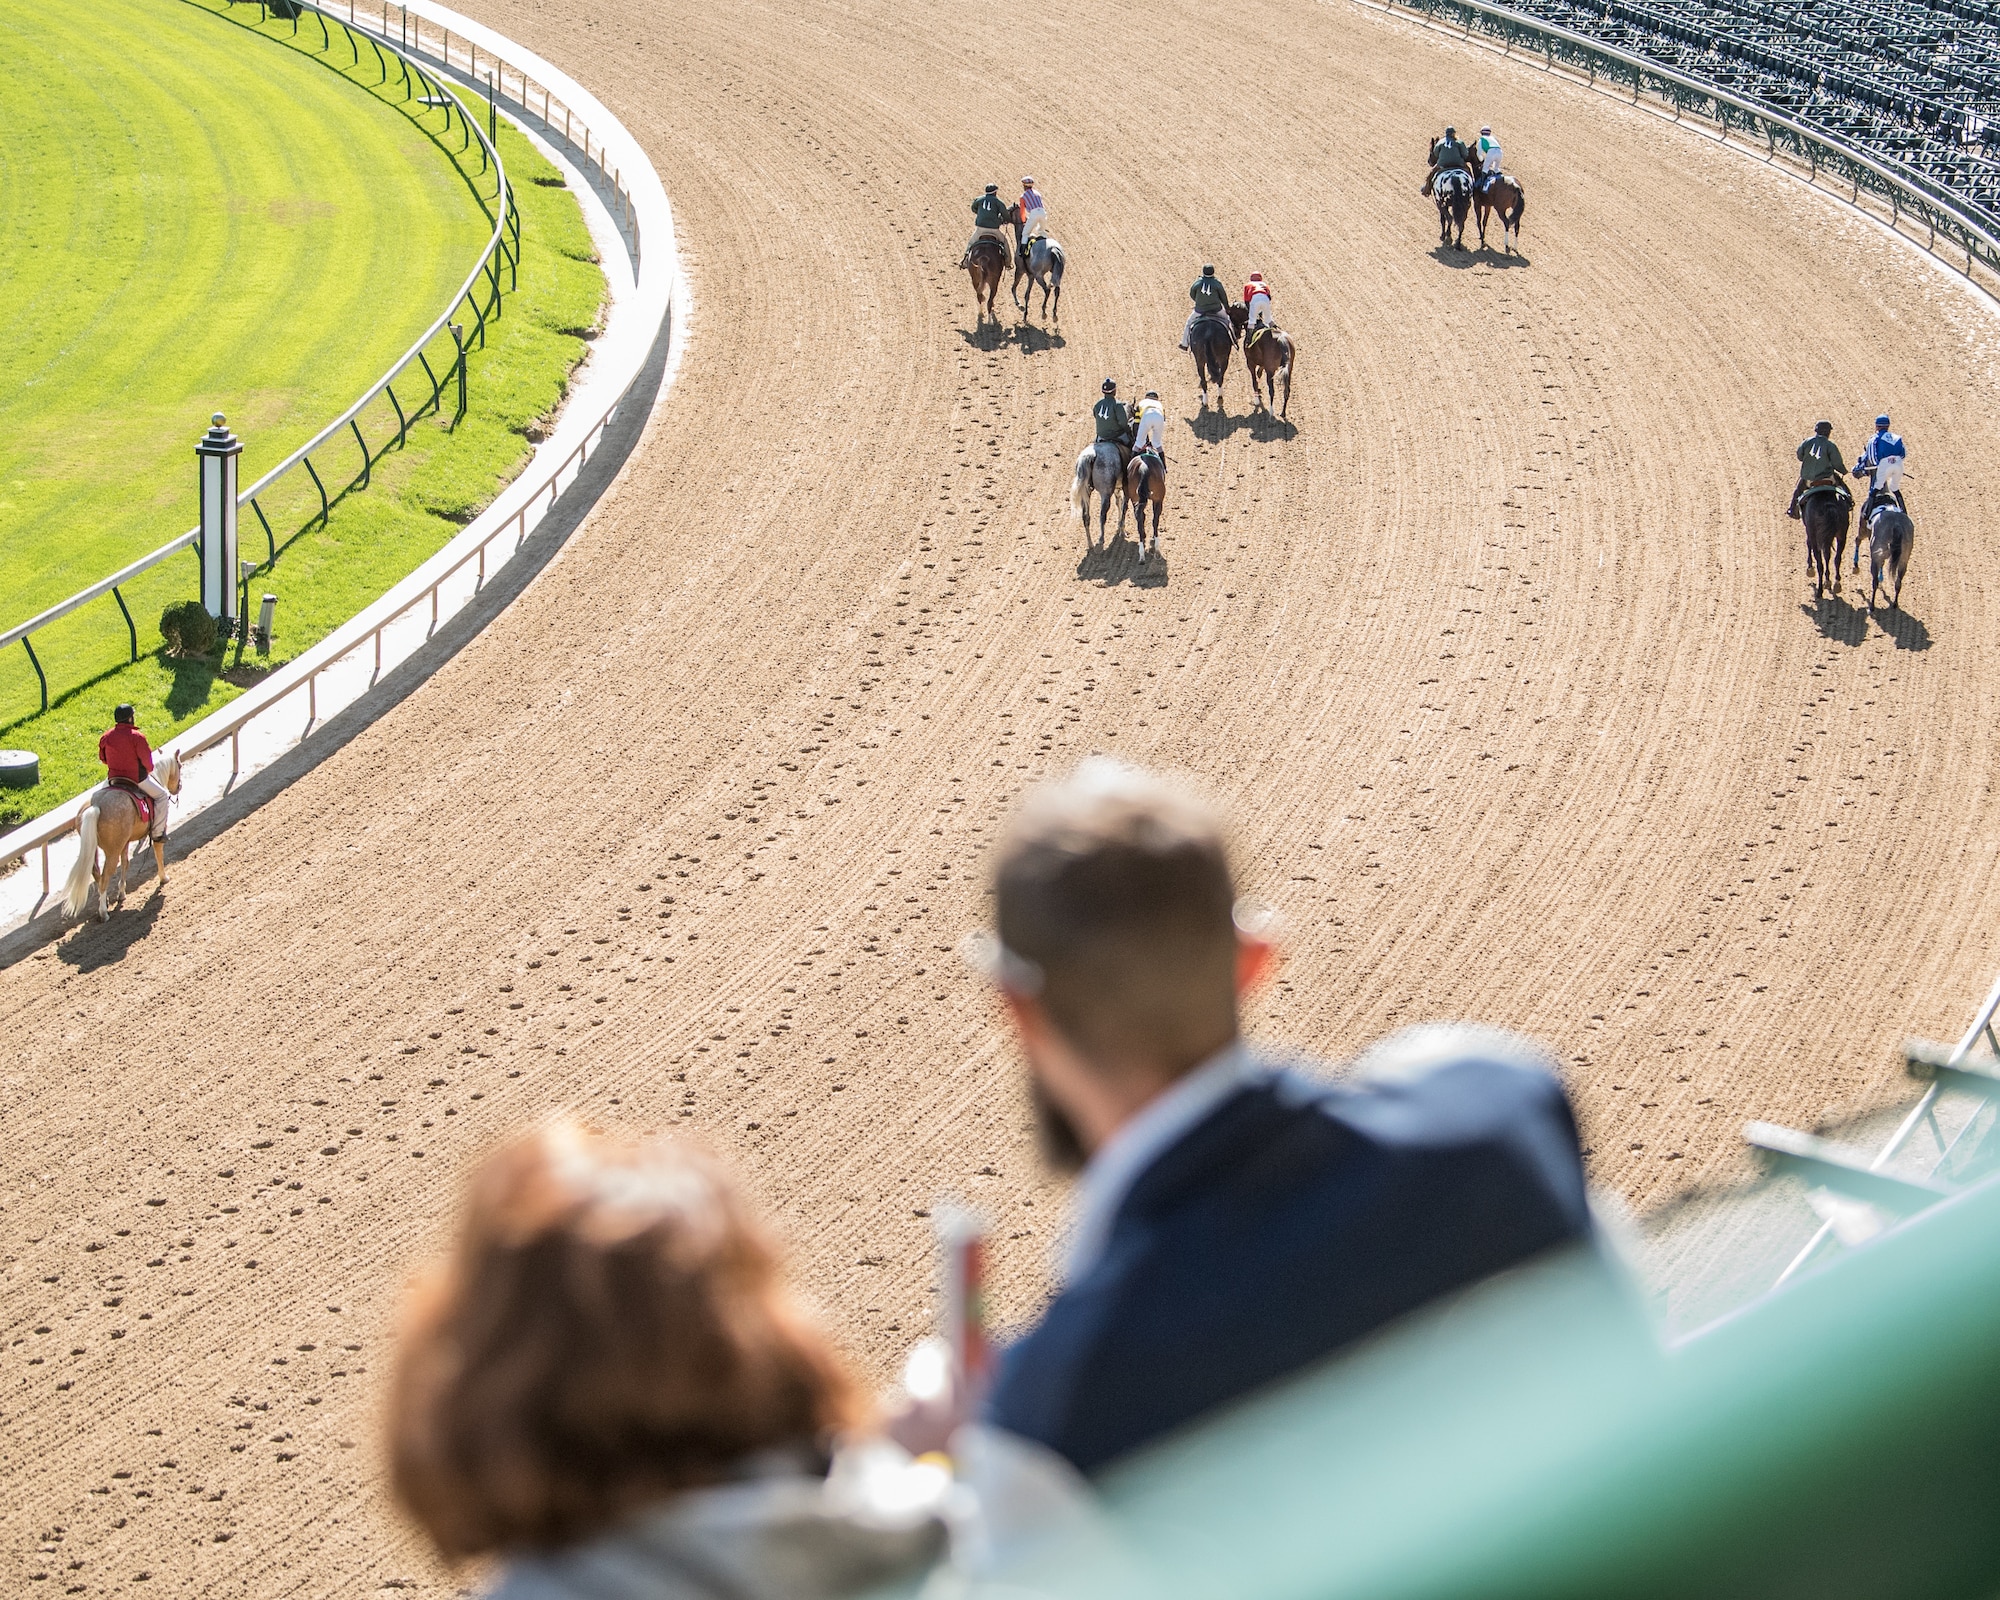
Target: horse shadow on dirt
{"x": 1487, "y": 256}
{"x": 1905, "y": 631}
{"x": 1213, "y": 425}
{"x": 96, "y": 945}
{"x": 1837, "y": 619}
{"x": 1031, "y": 340}
{"x": 1118, "y": 561}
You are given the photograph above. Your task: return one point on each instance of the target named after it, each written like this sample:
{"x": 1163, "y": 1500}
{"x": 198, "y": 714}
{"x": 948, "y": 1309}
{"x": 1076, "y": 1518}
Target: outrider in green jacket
{"x": 1449, "y": 153}
{"x": 1208, "y": 294}
{"x": 990, "y": 211}
{"x": 1820, "y": 458}
{"x": 1113, "y": 420}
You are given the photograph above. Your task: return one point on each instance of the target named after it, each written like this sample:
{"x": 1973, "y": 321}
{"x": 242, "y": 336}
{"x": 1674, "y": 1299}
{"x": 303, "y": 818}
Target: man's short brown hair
{"x": 610, "y": 1329}
{"x": 1116, "y": 885}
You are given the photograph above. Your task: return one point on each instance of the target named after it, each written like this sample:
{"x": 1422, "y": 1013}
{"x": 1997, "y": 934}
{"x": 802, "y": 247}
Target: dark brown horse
{"x": 1209, "y": 341}
{"x": 1825, "y": 513}
{"x": 1145, "y": 485}
{"x": 1267, "y": 355}
{"x": 986, "y": 262}
{"x": 1506, "y": 197}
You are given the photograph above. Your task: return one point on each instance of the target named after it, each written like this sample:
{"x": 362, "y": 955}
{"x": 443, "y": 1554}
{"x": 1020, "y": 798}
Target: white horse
{"x": 1097, "y": 468}
{"x": 111, "y": 824}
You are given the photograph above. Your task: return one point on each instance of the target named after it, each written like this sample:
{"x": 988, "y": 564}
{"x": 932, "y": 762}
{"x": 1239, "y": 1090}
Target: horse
{"x": 1097, "y": 468}
{"x": 1890, "y": 534}
{"x": 1453, "y": 194}
{"x": 1269, "y": 356}
{"x": 986, "y": 264}
{"x": 1040, "y": 261}
{"x": 111, "y": 824}
{"x": 1208, "y": 342}
{"x": 1145, "y": 485}
{"x": 1825, "y": 513}
{"x": 1508, "y": 198}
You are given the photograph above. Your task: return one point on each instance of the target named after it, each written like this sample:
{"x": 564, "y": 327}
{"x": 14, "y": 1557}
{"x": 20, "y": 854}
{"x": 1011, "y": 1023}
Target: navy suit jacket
{"x": 1296, "y": 1218}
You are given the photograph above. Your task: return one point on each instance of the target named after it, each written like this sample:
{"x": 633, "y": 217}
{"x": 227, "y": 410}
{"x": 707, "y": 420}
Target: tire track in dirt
{"x": 1499, "y": 662}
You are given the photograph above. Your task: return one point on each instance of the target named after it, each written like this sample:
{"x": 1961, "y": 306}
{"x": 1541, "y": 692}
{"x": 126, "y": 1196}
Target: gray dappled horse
{"x": 1099, "y": 468}
{"x": 1890, "y": 535}
{"x": 1825, "y": 513}
{"x": 1040, "y": 261}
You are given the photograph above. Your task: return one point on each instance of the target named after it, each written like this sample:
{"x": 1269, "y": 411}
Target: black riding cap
{"x": 993, "y": 188}
{"x": 1208, "y": 272}
{"x": 1822, "y": 427}
{"x": 1110, "y": 385}
{"x": 123, "y": 713}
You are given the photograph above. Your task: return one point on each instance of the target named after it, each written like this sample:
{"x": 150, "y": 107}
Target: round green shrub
{"x": 188, "y": 629}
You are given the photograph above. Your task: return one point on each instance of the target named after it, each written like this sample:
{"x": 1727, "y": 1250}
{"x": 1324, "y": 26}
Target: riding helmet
{"x": 1882, "y": 421}
{"x": 1110, "y": 385}
{"x": 1822, "y": 427}
{"x": 993, "y": 188}
{"x": 1208, "y": 272}
{"x": 1027, "y": 183}
{"x": 123, "y": 713}
{"x": 1451, "y": 133}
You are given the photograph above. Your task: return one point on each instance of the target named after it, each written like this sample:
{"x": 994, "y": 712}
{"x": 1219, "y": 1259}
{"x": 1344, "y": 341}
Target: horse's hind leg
{"x": 160, "y": 865}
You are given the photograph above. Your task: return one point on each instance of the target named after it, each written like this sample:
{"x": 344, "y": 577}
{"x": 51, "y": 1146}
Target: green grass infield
{"x": 194, "y": 218}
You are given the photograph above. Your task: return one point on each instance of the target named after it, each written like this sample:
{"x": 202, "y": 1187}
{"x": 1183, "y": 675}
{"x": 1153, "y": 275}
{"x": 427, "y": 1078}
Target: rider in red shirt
{"x": 1257, "y": 300}
{"x": 128, "y": 758}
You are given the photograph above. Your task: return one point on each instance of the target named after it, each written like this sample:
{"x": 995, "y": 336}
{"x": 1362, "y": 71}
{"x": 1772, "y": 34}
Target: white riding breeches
{"x": 1889, "y": 475}
{"x": 1260, "y": 310}
{"x": 1037, "y": 225}
{"x": 161, "y": 800}
{"x": 1152, "y": 432}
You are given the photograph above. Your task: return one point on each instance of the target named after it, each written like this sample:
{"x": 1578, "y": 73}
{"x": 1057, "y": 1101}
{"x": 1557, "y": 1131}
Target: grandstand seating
{"x": 1913, "y": 81}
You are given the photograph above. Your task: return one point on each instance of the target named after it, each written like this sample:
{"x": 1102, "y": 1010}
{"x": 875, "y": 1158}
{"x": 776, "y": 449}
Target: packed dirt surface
{"x": 1499, "y": 655}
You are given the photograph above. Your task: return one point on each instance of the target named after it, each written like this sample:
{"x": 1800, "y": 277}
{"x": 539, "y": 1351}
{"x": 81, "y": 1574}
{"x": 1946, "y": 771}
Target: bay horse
{"x": 1825, "y": 513}
{"x": 1099, "y": 468}
{"x": 111, "y": 824}
{"x": 1209, "y": 341}
{"x": 1510, "y": 200}
{"x": 986, "y": 264}
{"x": 1890, "y": 535}
{"x": 1268, "y": 356}
{"x": 1041, "y": 262}
{"x": 1453, "y": 193}
{"x": 1145, "y": 485}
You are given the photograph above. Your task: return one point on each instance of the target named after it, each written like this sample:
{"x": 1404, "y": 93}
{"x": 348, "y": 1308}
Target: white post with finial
{"x": 217, "y": 454}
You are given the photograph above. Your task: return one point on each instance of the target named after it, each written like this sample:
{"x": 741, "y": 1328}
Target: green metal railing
{"x": 1951, "y": 229}
{"x": 427, "y": 98}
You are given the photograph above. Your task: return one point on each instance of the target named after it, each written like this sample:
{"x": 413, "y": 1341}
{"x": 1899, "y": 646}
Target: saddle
{"x": 1220, "y": 319}
{"x": 1827, "y": 485}
{"x": 1256, "y": 332}
{"x": 142, "y": 799}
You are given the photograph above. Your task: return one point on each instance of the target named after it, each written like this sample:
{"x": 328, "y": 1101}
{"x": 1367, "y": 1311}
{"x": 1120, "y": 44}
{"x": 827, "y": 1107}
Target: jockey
{"x": 990, "y": 217}
{"x": 1447, "y": 155}
{"x": 1257, "y": 300}
{"x": 129, "y": 759}
{"x": 1486, "y": 156}
{"x": 1114, "y": 422}
{"x": 1883, "y": 461}
{"x": 1032, "y": 212}
{"x": 1152, "y": 434}
{"x": 1210, "y": 299}
{"x": 1820, "y": 464}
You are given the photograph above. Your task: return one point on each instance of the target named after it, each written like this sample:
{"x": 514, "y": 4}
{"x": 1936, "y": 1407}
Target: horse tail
{"x": 1520, "y": 206}
{"x": 76, "y": 891}
{"x": 1080, "y": 490}
{"x": 1056, "y": 262}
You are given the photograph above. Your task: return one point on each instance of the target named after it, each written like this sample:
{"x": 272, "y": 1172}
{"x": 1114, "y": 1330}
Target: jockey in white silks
{"x": 1152, "y": 431}
{"x": 1257, "y": 303}
{"x": 1033, "y": 211}
{"x": 1486, "y": 155}
{"x": 1882, "y": 461}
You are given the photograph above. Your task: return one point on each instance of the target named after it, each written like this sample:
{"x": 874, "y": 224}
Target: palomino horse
{"x": 1208, "y": 342}
{"x": 1040, "y": 261}
{"x": 986, "y": 262}
{"x": 111, "y": 824}
{"x": 1145, "y": 485}
{"x": 1825, "y": 513}
{"x": 1453, "y": 194}
{"x": 1269, "y": 356}
{"x": 1098, "y": 468}
{"x": 1508, "y": 198}
{"x": 1890, "y": 534}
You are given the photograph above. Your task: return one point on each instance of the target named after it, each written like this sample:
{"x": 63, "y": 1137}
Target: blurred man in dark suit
{"x": 1233, "y": 1222}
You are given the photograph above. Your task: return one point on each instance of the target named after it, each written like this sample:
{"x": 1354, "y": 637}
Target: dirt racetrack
{"x": 1500, "y": 657}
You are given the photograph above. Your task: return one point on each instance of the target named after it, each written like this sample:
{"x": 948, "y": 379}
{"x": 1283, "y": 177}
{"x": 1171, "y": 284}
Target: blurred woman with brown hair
{"x": 608, "y": 1388}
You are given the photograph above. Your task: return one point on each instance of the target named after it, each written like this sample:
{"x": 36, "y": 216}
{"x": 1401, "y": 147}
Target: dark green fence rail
{"x": 479, "y": 300}
{"x": 1912, "y": 199}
